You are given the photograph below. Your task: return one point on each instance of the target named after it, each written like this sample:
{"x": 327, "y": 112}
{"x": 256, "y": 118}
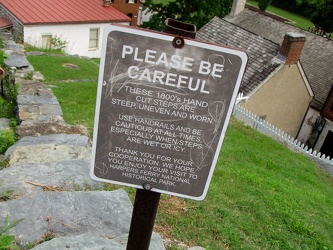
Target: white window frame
{"x": 93, "y": 39}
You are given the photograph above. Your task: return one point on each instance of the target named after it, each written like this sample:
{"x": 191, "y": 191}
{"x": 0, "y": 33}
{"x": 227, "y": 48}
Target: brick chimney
{"x": 106, "y": 3}
{"x": 237, "y": 7}
{"x": 292, "y": 46}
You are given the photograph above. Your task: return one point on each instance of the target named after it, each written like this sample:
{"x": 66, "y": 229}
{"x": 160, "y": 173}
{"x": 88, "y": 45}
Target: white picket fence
{"x": 268, "y": 129}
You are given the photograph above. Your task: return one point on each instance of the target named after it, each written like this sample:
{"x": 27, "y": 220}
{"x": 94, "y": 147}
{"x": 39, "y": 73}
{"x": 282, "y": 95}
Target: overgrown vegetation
{"x": 58, "y": 45}
{"x": 7, "y": 139}
{"x": 7, "y": 106}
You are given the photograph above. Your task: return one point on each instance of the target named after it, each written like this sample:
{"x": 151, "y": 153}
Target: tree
{"x": 194, "y": 12}
{"x": 323, "y": 15}
{"x": 263, "y": 4}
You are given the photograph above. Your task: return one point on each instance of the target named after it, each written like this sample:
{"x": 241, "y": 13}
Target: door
{"x": 327, "y": 147}
{"x": 46, "y": 41}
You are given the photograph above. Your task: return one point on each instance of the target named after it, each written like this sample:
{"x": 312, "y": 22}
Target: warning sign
{"x": 162, "y": 110}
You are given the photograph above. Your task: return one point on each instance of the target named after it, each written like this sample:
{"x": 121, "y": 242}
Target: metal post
{"x": 143, "y": 219}
{"x": 146, "y": 202}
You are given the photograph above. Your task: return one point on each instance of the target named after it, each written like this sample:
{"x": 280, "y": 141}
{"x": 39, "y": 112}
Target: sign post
{"x": 163, "y": 105}
{"x": 143, "y": 219}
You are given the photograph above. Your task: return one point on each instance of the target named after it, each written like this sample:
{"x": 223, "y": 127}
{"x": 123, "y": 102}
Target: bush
{"x": 263, "y": 4}
{"x": 7, "y": 109}
{"x": 8, "y": 87}
{"x": 7, "y": 139}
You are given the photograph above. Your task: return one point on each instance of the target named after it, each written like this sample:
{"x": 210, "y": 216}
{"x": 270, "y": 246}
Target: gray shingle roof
{"x": 316, "y": 57}
{"x": 261, "y": 52}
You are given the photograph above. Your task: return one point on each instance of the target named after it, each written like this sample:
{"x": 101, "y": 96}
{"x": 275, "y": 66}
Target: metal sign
{"x": 163, "y": 106}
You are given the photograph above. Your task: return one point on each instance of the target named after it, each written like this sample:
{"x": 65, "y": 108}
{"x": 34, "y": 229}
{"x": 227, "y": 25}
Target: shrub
{"x": 263, "y": 4}
{"x": 8, "y": 87}
{"x": 7, "y": 139}
{"x": 58, "y": 45}
{"x": 7, "y": 109}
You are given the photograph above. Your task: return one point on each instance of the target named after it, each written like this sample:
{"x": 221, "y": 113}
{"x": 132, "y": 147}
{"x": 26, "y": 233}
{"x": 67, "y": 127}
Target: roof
{"x": 262, "y": 53}
{"x": 62, "y": 11}
{"x": 316, "y": 57}
{"x": 5, "y": 23}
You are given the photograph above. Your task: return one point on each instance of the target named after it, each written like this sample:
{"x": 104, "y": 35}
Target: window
{"x": 93, "y": 38}
{"x": 46, "y": 41}
{"x": 131, "y": 1}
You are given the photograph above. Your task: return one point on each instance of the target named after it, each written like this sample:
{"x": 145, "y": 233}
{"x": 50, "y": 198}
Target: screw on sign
{"x": 162, "y": 109}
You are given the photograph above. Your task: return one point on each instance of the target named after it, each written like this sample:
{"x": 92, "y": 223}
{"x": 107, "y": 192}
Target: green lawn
{"x": 77, "y": 100}
{"x": 54, "y": 70}
{"x": 162, "y": 1}
{"x": 297, "y": 20}
{"x": 75, "y": 88}
{"x": 262, "y": 195}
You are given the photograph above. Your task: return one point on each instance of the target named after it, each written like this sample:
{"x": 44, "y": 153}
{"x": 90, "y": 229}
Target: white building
{"x": 77, "y": 26}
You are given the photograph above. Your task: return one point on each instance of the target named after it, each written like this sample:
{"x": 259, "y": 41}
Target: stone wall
{"x": 17, "y": 30}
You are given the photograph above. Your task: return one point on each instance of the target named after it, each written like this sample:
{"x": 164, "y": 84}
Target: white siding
{"x": 77, "y": 36}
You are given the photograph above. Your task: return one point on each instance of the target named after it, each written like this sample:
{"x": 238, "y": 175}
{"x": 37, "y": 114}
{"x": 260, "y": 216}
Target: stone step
{"x": 100, "y": 213}
{"x": 55, "y": 139}
{"x": 48, "y": 153}
{"x": 30, "y": 178}
{"x": 89, "y": 242}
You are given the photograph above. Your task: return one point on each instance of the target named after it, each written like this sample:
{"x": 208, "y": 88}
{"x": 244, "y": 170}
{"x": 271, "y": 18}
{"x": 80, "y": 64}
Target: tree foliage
{"x": 322, "y": 16}
{"x": 194, "y": 12}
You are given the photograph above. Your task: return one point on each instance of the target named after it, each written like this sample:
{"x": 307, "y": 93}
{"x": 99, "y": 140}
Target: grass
{"x": 162, "y": 1}
{"x": 262, "y": 195}
{"x": 297, "y": 20}
{"x": 75, "y": 88}
{"x": 54, "y": 70}
{"x": 77, "y": 100}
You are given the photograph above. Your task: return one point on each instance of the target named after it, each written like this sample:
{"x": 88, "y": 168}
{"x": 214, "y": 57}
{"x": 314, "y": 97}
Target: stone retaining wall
{"x": 18, "y": 30}
{"x": 38, "y": 110}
